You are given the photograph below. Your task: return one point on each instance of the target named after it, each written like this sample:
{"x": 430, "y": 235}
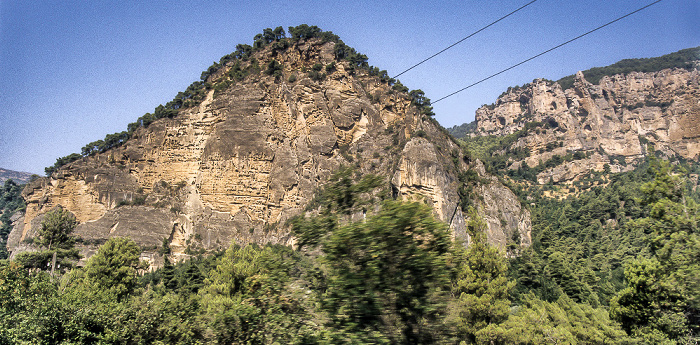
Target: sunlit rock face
{"x": 236, "y": 167}
{"x": 613, "y": 122}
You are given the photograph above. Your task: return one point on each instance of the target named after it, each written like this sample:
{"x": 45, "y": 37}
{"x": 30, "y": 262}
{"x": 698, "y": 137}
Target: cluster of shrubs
{"x": 524, "y": 172}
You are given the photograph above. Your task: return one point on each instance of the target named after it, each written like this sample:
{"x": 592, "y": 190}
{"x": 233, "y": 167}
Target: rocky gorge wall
{"x": 612, "y": 123}
{"x": 236, "y": 167}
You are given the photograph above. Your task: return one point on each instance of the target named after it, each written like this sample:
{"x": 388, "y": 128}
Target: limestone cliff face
{"x": 250, "y": 156}
{"x": 611, "y": 122}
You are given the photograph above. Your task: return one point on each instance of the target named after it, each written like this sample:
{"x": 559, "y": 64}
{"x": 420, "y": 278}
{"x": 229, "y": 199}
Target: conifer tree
{"x": 384, "y": 274}
{"x": 113, "y": 268}
{"x": 482, "y": 286}
{"x": 168, "y": 275}
{"x": 56, "y": 228}
{"x": 662, "y": 299}
{"x": 55, "y": 238}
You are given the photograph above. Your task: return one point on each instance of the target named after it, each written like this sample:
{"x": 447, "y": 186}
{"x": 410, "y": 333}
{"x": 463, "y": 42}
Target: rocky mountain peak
{"x": 243, "y": 151}
{"x": 609, "y": 125}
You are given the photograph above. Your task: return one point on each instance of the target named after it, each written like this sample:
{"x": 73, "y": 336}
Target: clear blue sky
{"x": 73, "y": 71}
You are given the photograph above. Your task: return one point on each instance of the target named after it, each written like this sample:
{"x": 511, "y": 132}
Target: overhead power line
{"x": 546, "y": 51}
{"x": 463, "y": 39}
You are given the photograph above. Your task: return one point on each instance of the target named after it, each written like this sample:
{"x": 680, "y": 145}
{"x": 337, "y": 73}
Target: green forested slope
{"x": 623, "y": 230}
{"x": 460, "y": 131}
{"x": 613, "y": 265}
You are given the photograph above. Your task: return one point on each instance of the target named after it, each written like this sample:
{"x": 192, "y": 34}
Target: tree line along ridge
{"x": 277, "y": 40}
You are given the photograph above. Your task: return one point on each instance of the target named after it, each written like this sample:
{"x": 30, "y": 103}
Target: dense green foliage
{"x": 368, "y": 269}
{"x": 56, "y": 229}
{"x": 681, "y": 59}
{"x": 11, "y": 202}
{"x": 661, "y": 300}
{"x": 580, "y": 243}
{"x": 383, "y": 274}
{"x": 461, "y": 131}
{"x": 481, "y": 285}
{"x": 630, "y": 244}
{"x": 54, "y": 239}
{"x": 560, "y": 322}
{"x": 623, "y": 242}
{"x": 114, "y": 266}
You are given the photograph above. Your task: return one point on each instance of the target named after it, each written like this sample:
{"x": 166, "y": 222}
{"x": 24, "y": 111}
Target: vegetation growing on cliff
{"x": 684, "y": 59}
{"x": 594, "y": 242}
{"x": 612, "y": 262}
{"x": 461, "y": 131}
{"x": 56, "y": 245}
{"x": 392, "y": 276}
{"x": 11, "y": 202}
{"x": 601, "y": 247}
{"x": 499, "y": 152}
{"x": 241, "y": 64}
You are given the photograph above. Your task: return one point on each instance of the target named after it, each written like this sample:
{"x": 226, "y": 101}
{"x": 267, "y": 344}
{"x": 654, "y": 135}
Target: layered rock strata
{"x": 236, "y": 167}
{"x": 612, "y": 123}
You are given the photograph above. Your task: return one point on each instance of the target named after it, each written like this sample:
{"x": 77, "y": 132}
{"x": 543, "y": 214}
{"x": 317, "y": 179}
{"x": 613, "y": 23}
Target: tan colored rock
{"x": 235, "y": 168}
{"x": 507, "y": 221}
{"x": 609, "y": 118}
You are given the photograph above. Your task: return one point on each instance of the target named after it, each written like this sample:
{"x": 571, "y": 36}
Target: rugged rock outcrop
{"x": 236, "y": 167}
{"x": 609, "y": 125}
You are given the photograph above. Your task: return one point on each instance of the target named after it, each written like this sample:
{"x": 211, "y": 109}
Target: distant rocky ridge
{"x": 595, "y": 127}
{"x": 683, "y": 59}
{"x": 17, "y": 176}
{"x": 238, "y": 165}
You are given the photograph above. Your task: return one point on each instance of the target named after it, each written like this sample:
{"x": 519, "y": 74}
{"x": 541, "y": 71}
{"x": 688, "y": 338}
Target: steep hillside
{"x": 237, "y": 155}
{"x": 11, "y": 208}
{"x": 609, "y": 170}
{"x": 560, "y": 135}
